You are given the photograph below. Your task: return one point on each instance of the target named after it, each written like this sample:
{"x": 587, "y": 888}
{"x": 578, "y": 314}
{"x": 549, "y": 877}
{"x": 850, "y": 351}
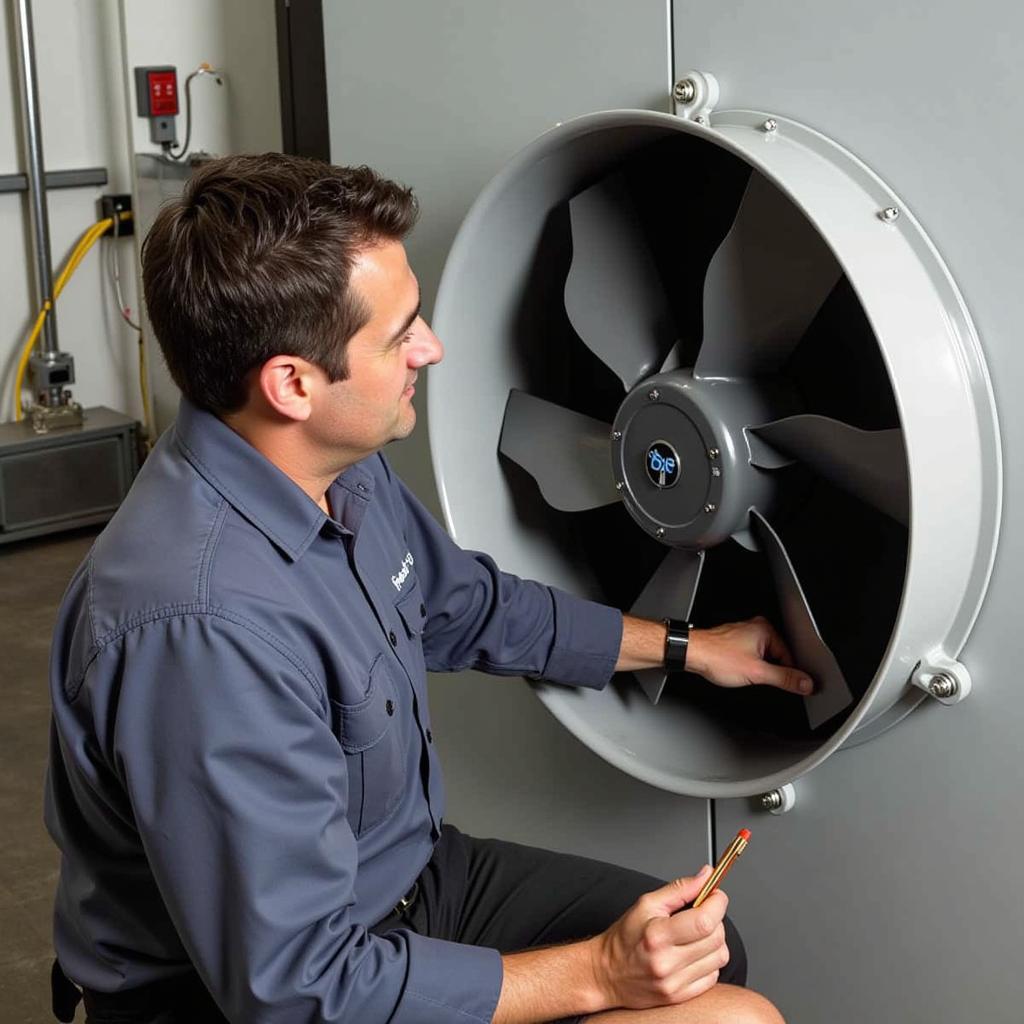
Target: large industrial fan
{"x": 707, "y": 367}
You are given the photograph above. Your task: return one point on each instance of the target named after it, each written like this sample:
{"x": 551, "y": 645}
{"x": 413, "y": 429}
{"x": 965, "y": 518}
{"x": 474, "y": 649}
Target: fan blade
{"x": 810, "y": 653}
{"x": 764, "y": 286}
{"x": 566, "y": 452}
{"x": 669, "y": 594}
{"x": 613, "y": 293}
{"x": 870, "y": 464}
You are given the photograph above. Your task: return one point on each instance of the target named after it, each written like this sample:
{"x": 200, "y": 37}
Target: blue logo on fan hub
{"x": 662, "y": 464}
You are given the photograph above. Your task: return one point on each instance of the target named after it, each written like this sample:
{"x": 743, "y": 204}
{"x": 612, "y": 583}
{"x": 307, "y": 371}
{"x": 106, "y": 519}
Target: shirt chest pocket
{"x": 370, "y": 734}
{"x": 412, "y": 611}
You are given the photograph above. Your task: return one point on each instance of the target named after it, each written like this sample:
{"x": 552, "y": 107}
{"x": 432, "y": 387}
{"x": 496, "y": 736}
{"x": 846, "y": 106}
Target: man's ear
{"x": 286, "y": 383}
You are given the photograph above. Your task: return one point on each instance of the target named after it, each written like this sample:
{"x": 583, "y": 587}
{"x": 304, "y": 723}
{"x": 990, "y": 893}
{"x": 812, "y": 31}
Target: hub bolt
{"x": 709, "y": 507}
{"x": 659, "y": 532}
{"x": 889, "y": 214}
{"x": 770, "y": 125}
{"x": 616, "y": 434}
{"x": 654, "y": 395}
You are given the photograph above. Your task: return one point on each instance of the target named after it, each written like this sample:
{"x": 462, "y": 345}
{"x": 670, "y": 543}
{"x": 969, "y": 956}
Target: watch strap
{"x": 677, "y": 641}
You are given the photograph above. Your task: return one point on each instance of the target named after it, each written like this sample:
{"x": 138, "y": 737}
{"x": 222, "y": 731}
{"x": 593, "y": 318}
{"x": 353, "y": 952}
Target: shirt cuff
{"x": 449, "y": 981}
{"x": 588, "y": 637}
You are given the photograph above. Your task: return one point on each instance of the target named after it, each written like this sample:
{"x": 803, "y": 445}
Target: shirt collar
{"x": 254, "y": 486}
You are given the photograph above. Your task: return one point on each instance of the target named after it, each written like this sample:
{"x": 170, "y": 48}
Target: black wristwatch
{"x": 677, "y": 640}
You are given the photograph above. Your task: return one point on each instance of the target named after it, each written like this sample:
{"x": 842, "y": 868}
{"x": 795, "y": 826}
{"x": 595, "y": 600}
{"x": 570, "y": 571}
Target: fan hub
{"x": 679, "y": 451}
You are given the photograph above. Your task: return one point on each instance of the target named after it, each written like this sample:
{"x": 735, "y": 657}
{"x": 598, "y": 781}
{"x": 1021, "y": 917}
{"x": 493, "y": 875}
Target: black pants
{"x": 482, "y": 892}
{"x": 486, "y": 892}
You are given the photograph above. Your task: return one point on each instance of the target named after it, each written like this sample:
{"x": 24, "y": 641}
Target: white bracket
{"x": 695, "y": 96}
{"x": 942, "y": 677}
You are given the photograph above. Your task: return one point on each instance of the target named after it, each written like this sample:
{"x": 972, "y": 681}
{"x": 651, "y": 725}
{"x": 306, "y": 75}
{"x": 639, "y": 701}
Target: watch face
{"x": 662, "y": 464}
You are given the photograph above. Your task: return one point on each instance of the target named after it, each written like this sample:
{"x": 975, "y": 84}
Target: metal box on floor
{"x": 68, "y": 478}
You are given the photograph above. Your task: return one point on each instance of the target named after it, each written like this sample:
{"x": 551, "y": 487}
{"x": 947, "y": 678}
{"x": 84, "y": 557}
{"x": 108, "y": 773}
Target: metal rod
{"x": 87, "y": 176}
{"x": 34, "y": 157}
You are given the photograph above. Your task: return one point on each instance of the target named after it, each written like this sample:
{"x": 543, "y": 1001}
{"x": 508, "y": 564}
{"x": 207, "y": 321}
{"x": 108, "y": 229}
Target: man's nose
{"x": 426, "y": 348}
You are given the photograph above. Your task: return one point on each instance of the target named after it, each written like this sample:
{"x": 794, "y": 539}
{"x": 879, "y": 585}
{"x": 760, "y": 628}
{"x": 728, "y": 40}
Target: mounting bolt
{"x": 780, "y": 800}
{"x": 654, "y": 395}
{"x": 659, "y": 532}
{"x": 713, "y": 453}
{"x": 715, "y": 471}
{"x": 889, "y": 214}
{"x": 616, "y": 434}
{"x": 770, "y": 125}
{"x": 943, "y": 686}
{"x": 685, "y": 90}
{"x": 709, "y": 507}
{"x": 701, "y": 119}
{"x": 619, "y": 485}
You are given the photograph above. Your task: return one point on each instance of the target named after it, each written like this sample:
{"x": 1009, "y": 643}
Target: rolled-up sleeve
{"x": 238, "y": 788}
{"x": 480, "y": 617}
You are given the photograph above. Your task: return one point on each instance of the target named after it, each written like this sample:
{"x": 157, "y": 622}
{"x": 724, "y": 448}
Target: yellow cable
{"x": 85, "y": 243}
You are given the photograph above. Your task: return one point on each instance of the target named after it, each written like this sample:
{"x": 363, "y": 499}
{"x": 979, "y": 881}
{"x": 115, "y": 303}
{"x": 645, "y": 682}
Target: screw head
{"x": 771, "y": 801}
{"x": 713, "y": 453}
{"x": 659, "y": 532}
{"x": 889, "y": 214}
{"x": 616, "y": 434}
{"x": 715, "y": 471}
{"x": 943, "y": 685}
{"x": 701, "y": 119}
{"x": 770, "y": 125}
{"x": 619, "y": 485}
{"x": 685, "y": 90}
{"x": 654, "y": 394}
{"x": 710, "y": 507}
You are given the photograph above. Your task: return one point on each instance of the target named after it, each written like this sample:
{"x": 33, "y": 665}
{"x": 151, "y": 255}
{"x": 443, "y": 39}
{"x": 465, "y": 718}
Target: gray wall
{"x": 891, "y": 892}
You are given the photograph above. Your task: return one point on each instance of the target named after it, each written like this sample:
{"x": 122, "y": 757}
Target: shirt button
{"x": 430, "y": 736}
{"x": 393, "y": 638}
{"x": 389, "y": 707}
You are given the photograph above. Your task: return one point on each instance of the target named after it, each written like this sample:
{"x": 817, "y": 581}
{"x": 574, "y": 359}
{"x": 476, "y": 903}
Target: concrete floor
{"x": 33, "y": 575}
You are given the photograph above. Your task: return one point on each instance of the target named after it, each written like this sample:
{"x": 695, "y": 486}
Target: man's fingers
{"x": 775, "y": 647}
{"x": 782, "y": 677}
{"x": 703, "y": 925}
{"x": 676, "y": 894}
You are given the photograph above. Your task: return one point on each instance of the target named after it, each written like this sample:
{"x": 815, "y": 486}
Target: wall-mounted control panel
{"x": 156, "y": 97}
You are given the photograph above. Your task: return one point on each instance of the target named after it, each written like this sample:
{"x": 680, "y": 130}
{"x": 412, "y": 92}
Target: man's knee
{"x": 748, "y": 1007}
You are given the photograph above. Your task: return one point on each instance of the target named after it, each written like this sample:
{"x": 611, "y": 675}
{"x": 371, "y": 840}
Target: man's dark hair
{"x": 253, "y": 260}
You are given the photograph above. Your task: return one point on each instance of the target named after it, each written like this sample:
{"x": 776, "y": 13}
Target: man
{"x": 243, "y": 780}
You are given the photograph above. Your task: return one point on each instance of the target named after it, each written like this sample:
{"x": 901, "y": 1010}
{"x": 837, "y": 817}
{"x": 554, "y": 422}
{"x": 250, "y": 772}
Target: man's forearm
{"x": 643, "y": 645}
{"x": 547, "y": 984}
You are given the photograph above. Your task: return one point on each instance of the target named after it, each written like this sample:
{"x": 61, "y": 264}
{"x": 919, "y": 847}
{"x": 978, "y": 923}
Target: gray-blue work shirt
{"x": 242, "y": 774}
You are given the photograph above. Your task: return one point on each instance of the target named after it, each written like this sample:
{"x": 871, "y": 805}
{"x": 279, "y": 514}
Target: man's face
{"x": 374, "y": 405}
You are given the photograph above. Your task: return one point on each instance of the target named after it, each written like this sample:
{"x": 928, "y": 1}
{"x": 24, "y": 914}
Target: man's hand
{"x": 654, "y": 956}
{"x": 745, "y": 654}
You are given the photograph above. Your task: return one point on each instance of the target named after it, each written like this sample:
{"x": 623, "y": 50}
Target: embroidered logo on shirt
{"x": 403, "y": 573}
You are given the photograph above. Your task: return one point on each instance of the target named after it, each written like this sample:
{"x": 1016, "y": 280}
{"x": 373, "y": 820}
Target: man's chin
{"x": 406, "y": 426}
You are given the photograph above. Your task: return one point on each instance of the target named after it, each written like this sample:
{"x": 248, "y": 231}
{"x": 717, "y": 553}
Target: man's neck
{"x": 286, "y": 446}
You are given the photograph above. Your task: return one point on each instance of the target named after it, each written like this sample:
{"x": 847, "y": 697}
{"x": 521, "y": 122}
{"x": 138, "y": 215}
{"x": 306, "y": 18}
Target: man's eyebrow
{"x": 410, "y": 320}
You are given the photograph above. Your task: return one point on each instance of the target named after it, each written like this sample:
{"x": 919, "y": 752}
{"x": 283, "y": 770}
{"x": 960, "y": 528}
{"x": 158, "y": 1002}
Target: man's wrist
{"x": 697, "y": 652}
{"x": 677, "y": 639}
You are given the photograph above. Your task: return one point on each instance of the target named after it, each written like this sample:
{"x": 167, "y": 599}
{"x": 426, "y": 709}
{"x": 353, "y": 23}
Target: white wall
{"x": 79, "y": 67}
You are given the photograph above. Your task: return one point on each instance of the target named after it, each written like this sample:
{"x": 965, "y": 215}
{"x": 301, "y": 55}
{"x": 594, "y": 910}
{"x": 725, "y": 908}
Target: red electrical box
{"x": 157, "y": 91}
{"x": 163, "y": 93}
